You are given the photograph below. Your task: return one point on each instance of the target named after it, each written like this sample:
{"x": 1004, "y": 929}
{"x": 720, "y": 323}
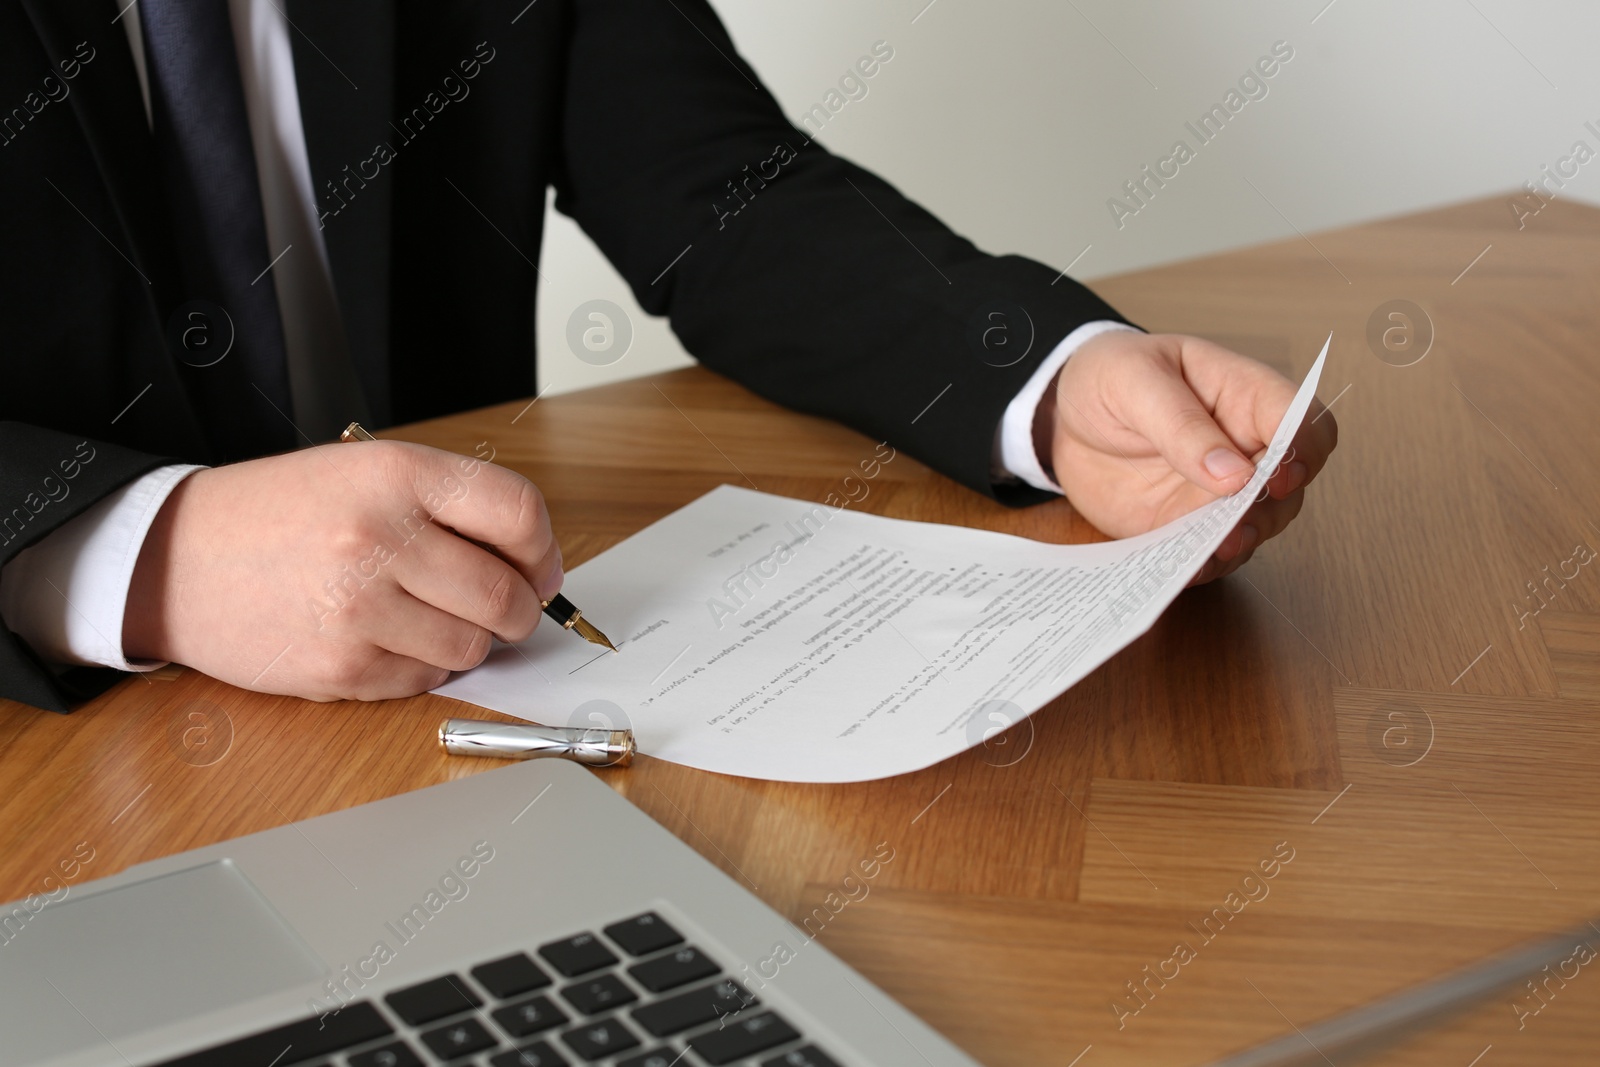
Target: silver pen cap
{"x": 592, "y": 746}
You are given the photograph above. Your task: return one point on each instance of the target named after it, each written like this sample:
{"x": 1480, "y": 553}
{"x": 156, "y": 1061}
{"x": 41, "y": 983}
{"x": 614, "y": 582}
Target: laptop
{"x": 526, "y": 916}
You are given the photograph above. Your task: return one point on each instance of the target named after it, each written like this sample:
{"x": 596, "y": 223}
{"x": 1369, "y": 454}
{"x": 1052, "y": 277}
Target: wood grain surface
{"x": 1399, "y": 694}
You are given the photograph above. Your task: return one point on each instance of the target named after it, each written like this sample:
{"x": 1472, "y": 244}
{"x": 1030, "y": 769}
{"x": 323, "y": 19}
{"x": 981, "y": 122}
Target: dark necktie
{"x": 202, "y": 135}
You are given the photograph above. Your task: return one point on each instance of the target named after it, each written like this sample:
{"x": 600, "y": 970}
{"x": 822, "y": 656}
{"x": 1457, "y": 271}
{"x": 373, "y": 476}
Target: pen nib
{"x": 589, "y": 633}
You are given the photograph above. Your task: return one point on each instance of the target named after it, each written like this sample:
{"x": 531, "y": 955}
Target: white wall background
{"x": 1016, "y": 120}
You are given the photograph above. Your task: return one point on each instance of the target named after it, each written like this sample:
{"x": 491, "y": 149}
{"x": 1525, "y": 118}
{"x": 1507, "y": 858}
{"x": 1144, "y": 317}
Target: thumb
{"x": 1177, "y": 424}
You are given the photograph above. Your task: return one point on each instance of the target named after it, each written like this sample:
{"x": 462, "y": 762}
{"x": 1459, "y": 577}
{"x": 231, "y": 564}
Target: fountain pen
{"x": 557, "y": 607}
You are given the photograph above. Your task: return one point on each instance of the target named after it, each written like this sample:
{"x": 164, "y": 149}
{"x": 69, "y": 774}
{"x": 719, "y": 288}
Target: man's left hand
{"x": 1142, "y": 428}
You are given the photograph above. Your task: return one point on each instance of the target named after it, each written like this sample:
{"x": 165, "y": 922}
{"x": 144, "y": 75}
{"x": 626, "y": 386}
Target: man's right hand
{"x": 357, "y": 571}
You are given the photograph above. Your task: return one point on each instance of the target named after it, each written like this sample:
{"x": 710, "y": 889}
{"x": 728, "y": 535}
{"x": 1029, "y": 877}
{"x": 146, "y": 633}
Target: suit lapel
{"x": 107, "y": 105}
{"x": 344, "y": 71}
{"x": 109, "y": 109}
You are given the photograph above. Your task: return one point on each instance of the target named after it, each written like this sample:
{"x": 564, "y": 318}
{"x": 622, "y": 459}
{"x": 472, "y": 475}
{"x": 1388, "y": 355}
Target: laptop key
{"x": 394, "y": 1054}
{"x": 506, "y": 978}
{"x": 538, "y": 1054}
{"x": 674, "y": 969}
{"x": 661, "y": 1057}
{"x": 686, "y": 1010}
{"x": 599, "y": 1039}
{"x": 529, "y": 1016}
{"x": 423, "y": 1003}
{"x": 595, "y": 995}
{"x": 809, "y": 1056}
{"x": 354, "y": 1024}
{"x": 454, "y": 1040}
{"x": 577, "y": 955}
{"x": 742, "y": 1038}
{"x": 643, "y": 934}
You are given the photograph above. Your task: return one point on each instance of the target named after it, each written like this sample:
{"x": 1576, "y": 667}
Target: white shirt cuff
{"x": 1015, "y": 456}
{"x": 66, "y": 595}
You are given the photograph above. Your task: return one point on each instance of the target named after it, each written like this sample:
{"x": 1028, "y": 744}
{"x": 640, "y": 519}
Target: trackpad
{"x": 94, "y": 968}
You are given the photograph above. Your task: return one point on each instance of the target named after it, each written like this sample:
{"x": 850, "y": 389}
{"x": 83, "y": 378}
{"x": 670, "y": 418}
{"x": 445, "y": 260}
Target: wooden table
{"x": 1367, "y": 693}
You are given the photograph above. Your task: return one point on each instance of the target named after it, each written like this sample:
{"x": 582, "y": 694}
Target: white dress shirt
{"x": 66, "y": 595}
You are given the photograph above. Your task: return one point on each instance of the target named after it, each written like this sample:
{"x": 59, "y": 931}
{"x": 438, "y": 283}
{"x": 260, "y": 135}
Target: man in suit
{"x": 230, "y": 225}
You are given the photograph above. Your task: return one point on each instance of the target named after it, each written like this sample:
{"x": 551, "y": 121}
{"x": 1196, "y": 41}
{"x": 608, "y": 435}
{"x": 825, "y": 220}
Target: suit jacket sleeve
{"x": 807, "y": 278}
{"x": 47, "y": 478}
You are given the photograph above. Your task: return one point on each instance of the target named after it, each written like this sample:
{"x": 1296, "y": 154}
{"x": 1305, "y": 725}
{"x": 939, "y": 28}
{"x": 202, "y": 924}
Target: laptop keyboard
{"x": 638, "y": 996}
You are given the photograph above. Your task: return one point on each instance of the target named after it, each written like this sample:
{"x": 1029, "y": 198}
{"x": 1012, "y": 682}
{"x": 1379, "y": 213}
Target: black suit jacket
{"x": 433, "y": 131}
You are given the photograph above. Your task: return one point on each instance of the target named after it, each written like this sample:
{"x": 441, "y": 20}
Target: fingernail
{"x": 1223, "y": 464}
{"x": 1297, "y": 475}
{"x": 1248, "y": 536}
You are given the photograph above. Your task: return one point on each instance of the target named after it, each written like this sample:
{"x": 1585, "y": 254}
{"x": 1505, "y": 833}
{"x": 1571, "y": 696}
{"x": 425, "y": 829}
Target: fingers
{"x": 1208, "y": 408}
{"x": 495, "y": 507}
{"x": 1291, "y": 474}
{"x": 1206, "y": 573}
{"x": 469, "y": 582}
{"x": 386, "y": 643}
{"x": 347, "y": 673}
{"x": 1166, "y": 411}
{"x": 1316, "y": 439}
{"x": 389, "y": 676}
{"x": 1271, "y": 516}
{"x": 1222, "y": 570}
{"x": 1241, "y": 539}
{"x": 1218, "y": 567}
{"x": 1263, "y": 521}
{"x": 1250, "y": 399}
{"x": 424, "y": 633}
{"x": 459, "y": 568}
{"x": 1208, "y": 414}
{"x": 347, "y": 572}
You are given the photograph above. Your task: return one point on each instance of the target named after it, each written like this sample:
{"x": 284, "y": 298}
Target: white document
{"x": 775, "y": 638}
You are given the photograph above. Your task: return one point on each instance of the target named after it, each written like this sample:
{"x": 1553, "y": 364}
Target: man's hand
{"x": 356, "y": 571}
{"x": 1143, "y": 428}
